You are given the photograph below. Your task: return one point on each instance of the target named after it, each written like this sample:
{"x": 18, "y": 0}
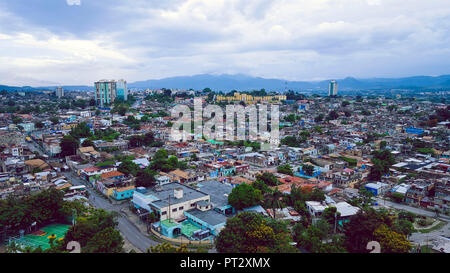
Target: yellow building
{"x": 249, "y": 99}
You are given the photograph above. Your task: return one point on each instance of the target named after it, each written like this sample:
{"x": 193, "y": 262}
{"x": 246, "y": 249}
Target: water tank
{"x": 178, "y": 193}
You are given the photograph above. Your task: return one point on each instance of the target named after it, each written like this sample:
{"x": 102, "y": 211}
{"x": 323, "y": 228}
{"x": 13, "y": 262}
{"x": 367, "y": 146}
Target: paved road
{"x": 427, "y": 238}
{"x": 420, "y": 211}
{"x": 126, "y": 227}
{"x": 421, "y": 238}
{"x": 136, "y": 104}
{"x": 35, "y": 148}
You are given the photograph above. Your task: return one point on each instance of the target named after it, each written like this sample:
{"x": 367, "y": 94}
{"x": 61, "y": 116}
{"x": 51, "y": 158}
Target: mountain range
{"x": 242, "y": 82}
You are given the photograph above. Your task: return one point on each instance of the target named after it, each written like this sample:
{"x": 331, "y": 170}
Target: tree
{"x": 319, "y": 118}
{"x": 168, "y": 248}
{"x": 391, "y": 241}
{"x": 269, "y": 179}
{"x": 122, "y": 109}
{"x": 82, "y": 130}
{"x": 16, "y": 120}
{"x": 330, "y": 215}
{"x": 290, "y": 118}
{"x": 286, "y": 169}
{"x": 260, "y": 185}
{"x": 54, "y": 120}
{"x": 249, "y": 232}
{"x": 397, "y": 197}
{"x": 96, "y": 233}
{"x": 345, "y": 103}
{"x": 274, "y": 201}
{"x": 382, "y": 160}
{"x": 404, "y": 227}
{"x": 128, "y": 167}
{"x": 108, "y": 240}
{"x": 308, "y": 169}
{"x": 69, "y": 145}
{"x": 361, "y": 227}
{"x": 145, "y": 178}
{"x": 194, "y": 157}
{"x": 332, "y": 115}
{"x": 406, "y": 215}
{"x": 292, "y": 141}
{"x": 42, "y": 208}
{"x": 87, "y": 143}
{"x": 136, "y": 141}
{"x": 366, "y": 197}
{"x": 161, "y": 154}
{"x": 244, "y": 196}
{"x": 39, "y": 124}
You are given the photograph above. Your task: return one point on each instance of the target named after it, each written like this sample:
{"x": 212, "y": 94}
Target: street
{"x": 418, "y": 237}
{"x": 126, "y": 227}
{"x": 419, "y": 211}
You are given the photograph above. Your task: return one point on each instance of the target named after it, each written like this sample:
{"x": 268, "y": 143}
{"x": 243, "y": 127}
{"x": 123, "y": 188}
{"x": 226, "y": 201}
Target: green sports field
{"x": 34, "y": 241}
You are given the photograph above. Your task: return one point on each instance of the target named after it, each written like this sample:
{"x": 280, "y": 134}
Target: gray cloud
{"x": 292, "y": 39}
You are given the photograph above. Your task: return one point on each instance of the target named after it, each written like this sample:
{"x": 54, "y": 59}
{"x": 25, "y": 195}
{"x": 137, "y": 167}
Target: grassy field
{"x": 436, "y": 227}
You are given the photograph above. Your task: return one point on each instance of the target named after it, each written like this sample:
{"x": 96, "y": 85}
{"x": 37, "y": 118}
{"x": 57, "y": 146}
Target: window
{"x": 175, "y": 209}
{"x": 181, "y": 208}
{"x": 193, "y": 205}
{"x": 164, "y": 213}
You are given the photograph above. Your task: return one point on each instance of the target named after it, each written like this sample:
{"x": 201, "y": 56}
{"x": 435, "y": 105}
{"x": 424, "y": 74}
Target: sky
{"x": 77, "y": 42}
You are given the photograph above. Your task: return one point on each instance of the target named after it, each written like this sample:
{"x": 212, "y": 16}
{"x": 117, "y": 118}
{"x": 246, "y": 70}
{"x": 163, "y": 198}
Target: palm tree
{"x": 274, "y": 201}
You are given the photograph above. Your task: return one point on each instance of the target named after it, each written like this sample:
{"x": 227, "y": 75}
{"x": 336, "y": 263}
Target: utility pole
{"x": 169, "y": 210}
{"x": 335, "y": 219}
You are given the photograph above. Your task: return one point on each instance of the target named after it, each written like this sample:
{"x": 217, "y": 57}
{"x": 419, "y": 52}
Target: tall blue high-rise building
{"x": 122, "y": 91}
{"x": 333, "y": 90}
{"x": 105, "y": 92}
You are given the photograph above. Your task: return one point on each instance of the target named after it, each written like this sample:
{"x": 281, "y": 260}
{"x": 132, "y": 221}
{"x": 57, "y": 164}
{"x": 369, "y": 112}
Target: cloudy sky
{"x": 81, "y": 41}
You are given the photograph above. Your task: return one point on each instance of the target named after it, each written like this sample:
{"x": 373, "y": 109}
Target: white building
{"x": 59, "y": 92}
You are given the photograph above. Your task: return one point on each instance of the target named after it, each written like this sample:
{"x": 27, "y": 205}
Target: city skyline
{"x": 70, "y": 43}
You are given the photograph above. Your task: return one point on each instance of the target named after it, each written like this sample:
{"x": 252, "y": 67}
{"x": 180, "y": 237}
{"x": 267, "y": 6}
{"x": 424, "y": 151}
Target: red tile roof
{"x": 111, "y": 174}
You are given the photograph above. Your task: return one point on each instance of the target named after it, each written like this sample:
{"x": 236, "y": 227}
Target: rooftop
{"x": 211, "y": 217}
{"x": 161, "y": 194}
{"x": 218, "y": 191}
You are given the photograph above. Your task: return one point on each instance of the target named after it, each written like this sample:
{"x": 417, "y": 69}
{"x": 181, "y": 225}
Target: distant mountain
{"x": 242, "y": 82}
{"x": 220, "y": 82}
{"x": 45, "y": 88}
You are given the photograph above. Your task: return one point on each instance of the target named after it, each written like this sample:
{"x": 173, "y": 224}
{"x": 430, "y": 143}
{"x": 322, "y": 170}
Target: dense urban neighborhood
{"x": 101, "y": 168}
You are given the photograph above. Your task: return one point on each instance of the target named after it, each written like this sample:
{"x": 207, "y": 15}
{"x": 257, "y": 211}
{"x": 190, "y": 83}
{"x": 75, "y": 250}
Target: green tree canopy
{"x": 81, "y": 131}
{"x": 244, "y": 196}
{"x": 128, "y": 167}
{"x": 285, "y": 169}
{"x": 251, "y": 233}
{"x": 69, "y": 145}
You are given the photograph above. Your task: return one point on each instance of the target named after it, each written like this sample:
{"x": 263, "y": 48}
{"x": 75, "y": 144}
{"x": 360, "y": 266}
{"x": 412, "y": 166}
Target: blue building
{"x": 123, "y": 193}
{"x": 105, "y": 92}
{"x": 196, "y": 214}
{"x": 414, "y": 131}
{"x": 376, "y": 188}
{"x": 301, "y": 173}
{"x": 122, "y": 91}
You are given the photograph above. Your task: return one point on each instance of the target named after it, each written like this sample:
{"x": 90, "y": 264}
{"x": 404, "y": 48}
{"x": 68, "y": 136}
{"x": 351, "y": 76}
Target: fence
{"x": 181, "y": 240}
